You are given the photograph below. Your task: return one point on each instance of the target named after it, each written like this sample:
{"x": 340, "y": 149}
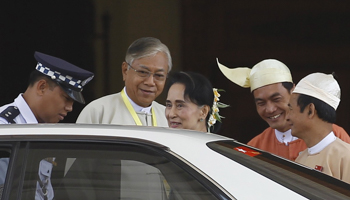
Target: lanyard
{"x": 133, "y": 113}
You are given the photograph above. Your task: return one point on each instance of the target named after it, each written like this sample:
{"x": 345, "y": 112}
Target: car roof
{"x": 108, "y": 130}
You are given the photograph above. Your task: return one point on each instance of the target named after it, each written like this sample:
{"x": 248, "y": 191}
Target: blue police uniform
{"x": 71, "y": 79}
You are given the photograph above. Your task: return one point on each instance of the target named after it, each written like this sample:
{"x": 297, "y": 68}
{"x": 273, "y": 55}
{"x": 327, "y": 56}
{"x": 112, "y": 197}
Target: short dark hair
{"x": 324, "y": 111}
{"x": 198, "y": 90}
{"x": 288, "y": 86}
{"x": 35, "y": 76}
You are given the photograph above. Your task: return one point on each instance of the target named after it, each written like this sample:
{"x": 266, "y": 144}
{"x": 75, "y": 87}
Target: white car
{"x": 72, "y": 161}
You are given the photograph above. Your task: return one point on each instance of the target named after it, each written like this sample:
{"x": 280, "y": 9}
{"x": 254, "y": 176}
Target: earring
{"x": 201, "y": 119}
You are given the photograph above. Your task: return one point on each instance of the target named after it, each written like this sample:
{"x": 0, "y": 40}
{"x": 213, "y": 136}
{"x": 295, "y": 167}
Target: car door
{"x": 97, "y": 169}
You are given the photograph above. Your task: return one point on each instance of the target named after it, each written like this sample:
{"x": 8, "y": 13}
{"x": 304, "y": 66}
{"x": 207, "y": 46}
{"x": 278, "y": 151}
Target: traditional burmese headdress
{"x": 321, "y": 86}
{"x": 264, "y": 73}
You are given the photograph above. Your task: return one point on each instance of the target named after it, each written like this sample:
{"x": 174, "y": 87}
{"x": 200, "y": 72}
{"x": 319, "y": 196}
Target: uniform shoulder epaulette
{"x": 9, "y": 114}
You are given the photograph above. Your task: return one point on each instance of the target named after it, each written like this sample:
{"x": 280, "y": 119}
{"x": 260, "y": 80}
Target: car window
{"x": 106, "y": 171}
{"x": 305, "y": 181}
{"x": 4, "y": 162}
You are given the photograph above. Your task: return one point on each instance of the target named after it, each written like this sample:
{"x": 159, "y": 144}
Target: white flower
{"x": 215, "y": 108}
{"x": 216, "y": 93}
{"x": 212, "y": 120}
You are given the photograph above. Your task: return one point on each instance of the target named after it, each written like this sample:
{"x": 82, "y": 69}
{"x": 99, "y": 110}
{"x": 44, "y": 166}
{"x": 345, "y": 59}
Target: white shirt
{"x": 322, "y": 144}
{"x": 26, "y": 115}
{"x": 136, "y": 107}
{"x": 285, "y": 137}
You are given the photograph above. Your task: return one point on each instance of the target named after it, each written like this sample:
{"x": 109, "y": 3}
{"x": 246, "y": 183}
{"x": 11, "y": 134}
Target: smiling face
{"x": 144, "y": 90}
{"x": 54, "y": 105}
{"x": 297, "y": 119}
{"x": 272, "y": 105}
{"x": 182, "y": 113}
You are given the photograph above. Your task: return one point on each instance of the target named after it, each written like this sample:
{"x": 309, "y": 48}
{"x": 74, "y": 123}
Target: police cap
{"x": 69, "y": 77}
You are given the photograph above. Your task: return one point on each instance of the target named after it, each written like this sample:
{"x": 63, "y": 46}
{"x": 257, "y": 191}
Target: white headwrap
{"x": 321, "y": 86}
{"x": 264, "y": 73}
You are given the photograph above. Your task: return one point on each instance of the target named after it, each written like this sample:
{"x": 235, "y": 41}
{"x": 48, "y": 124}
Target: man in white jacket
{"x": 147, "y": 63}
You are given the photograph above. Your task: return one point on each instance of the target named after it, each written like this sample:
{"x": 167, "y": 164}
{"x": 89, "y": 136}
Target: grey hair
{"x": 147, "y": 46}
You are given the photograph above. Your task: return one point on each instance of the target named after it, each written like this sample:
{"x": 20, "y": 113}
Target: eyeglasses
{"x": 146, "y": 74}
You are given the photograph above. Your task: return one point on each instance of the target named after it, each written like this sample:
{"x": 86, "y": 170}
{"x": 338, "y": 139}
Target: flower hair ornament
{"x": 215, "y": 109}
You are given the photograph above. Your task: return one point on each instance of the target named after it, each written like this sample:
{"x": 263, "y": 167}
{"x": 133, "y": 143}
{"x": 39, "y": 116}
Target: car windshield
{"x": 290, "y": 174}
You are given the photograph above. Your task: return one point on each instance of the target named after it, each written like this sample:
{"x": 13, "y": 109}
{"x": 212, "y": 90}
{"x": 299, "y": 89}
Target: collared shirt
{"x": 111, "y": 109}
{"x": 322, "y": 144}
{"x": 26, "y": 115}
{"x": 268, "y": 141}
{"x": 136, "y": 107}
{"x": 285, "y": 137}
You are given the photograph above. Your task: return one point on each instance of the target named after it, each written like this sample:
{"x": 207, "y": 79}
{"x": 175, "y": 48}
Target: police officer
{"x": 53, "y": 87}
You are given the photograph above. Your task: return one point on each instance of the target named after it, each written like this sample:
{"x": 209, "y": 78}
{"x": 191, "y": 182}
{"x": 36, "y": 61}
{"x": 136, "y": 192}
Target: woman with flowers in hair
{"x": 192, "y": 103}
